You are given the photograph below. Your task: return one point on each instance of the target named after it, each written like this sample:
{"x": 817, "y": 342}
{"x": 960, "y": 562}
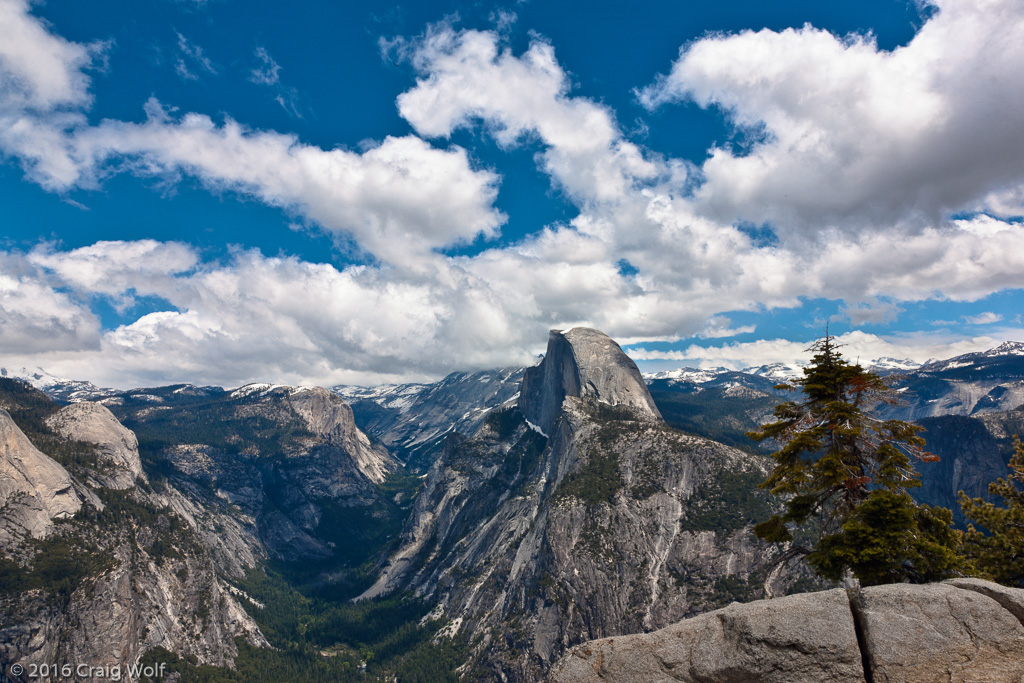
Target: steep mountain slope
{"x": 971, "y": 384}
{"x": 585, "y": 364}
{"x": 577, "y": 514}
{"x": 111, "y": 568}
{"x": 118, "y": 464}
{"x": 723, "y": 406}
{"x": 413, "y": 419}
{"x": 290, "y": 458}
{"x": 34, "y": 490}
{"x": 967, "y": 405}
{"x": 58, "y": 388}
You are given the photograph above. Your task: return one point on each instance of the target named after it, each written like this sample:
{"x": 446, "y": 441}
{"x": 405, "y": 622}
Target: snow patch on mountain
{"x": 58, "y": 388}
{"x": 692, "y": 375}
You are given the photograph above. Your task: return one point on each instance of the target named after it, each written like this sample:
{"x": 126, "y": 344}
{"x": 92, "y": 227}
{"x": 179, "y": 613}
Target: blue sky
{"x": 222, "y": 192}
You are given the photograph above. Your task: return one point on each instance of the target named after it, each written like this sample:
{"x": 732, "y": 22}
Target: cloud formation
{"x": 268, "y": 72}
{"x": 192, "y": 61}
{"x": 849, "y": 134}
{"x": 863, "y": 157}
{"x": 467, "y": 75}
{"x": 857, "y": 346}
{"x": 41, "y": 71}
{"x": 398, "y": 200}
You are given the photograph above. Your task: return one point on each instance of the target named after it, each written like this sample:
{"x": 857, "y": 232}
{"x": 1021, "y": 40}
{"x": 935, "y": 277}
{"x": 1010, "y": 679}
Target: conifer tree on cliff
{"x": 999, "y": 553}
{"x": 844, "y": 474}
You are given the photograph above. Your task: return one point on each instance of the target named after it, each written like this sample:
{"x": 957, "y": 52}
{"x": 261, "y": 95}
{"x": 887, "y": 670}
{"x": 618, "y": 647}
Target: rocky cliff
{"x": 34, "y": 490}
{"x": 413, "y": 419}
{"x": 582, "y": 363}
{"x": 576, "y": 514}
{"x": 117, "y": 450}
{"x": 98, "y": 566}
{"x": 961, "y": 630}
{"x": 290, "y": 458}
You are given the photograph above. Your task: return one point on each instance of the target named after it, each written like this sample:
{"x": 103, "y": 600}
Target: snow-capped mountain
{"x": 888, "y": 366}
{"x": 59, "y": 388}
{"x": 693, "y": 375}
{"x": 780, "y": 372}
{"x": 412, "y": 419}
{"x": 784, "y": 372}
{"x": 976, "y": 359}
{"x": 392, "y": 396}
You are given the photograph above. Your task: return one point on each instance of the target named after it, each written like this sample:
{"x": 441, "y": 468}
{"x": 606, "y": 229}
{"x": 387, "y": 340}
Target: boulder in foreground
{"x": 962, "y": 630}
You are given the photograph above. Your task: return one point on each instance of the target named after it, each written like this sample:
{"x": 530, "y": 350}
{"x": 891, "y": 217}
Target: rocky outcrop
{"x": 330, "y": 418}
{"x": 117, "y": 449}
{"x": 582, "y": 363}
{"x": 519, "y": 534}
{"x": 413, "y": 419}
{"x": 138, "y": 567}
{"x": 290, "y": 458}
{"x": 34, "y": 489}
{"x": 939, "y": 632}
{"x": 961, "y": 630}
{"x": 143, "y": 601}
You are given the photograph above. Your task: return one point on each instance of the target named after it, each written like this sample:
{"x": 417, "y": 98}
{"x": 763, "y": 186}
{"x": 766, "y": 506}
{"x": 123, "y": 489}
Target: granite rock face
{"x": 413, "y": 419}
{"x": 103, "y": 567}
{"x": 940, "y": 632}
{"x": 902, "y": 633}
{"x": 133, "y": 607}
{"x": 808, "y": 637}
{"x": 117, "y": 449}
{"x": 286, "y": 456}
{"x": 330, "y": 418}
{"x": 519, "y": 534}
{"x": 34, "y": 489}
{"x": 582, "y": 363}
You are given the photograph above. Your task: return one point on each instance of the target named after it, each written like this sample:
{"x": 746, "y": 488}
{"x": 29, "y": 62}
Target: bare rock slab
{"x": 939, "y": 632}
{"x": 798, "y": 638}
{"x": 1012, "y": 599}
{"x": 117, "y": 448}
{"x": 34, "y": 489}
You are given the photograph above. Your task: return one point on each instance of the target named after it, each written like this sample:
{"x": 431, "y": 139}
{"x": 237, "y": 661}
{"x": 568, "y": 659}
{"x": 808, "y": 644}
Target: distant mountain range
{"x": 60, "y": 389}
{"x": 510, "y": 513}
{"x": 404, "y": 397}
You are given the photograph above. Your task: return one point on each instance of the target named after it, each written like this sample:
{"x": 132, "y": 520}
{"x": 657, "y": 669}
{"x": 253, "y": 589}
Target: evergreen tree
{"x": 845, "y": 473}
{"x": 999, "y": 554}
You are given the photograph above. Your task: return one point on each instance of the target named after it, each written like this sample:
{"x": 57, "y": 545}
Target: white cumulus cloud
{"x": 864, "y": 155}
{"x": 851, "y": 134}
{"x": 468, "y": 75}
{"x": 856, "y": 346}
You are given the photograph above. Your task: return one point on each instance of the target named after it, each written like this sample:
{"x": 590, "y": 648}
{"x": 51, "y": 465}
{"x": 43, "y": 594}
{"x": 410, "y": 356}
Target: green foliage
{"x": 504, "y": 421}
{"x": 26, "y": 405}
{"x": 166, "y": 536}
{"x": 726, "y": 503}
{"x": 889, "y": 538}
{"x": 606, "y": 413}
{"x": 234, "y": 425}
{"x": 426, "y": 663}
{"x": 29, "y": 408}
{"x": 999, "y": 554}
{"x": 847, "y": 472}
{"x": 318, "y": 638}
{"x": 732, "y": 588}
{"x": 59, "y": 565}
{"x": 597, "y": 481}
{"x": 711, "y": 414}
